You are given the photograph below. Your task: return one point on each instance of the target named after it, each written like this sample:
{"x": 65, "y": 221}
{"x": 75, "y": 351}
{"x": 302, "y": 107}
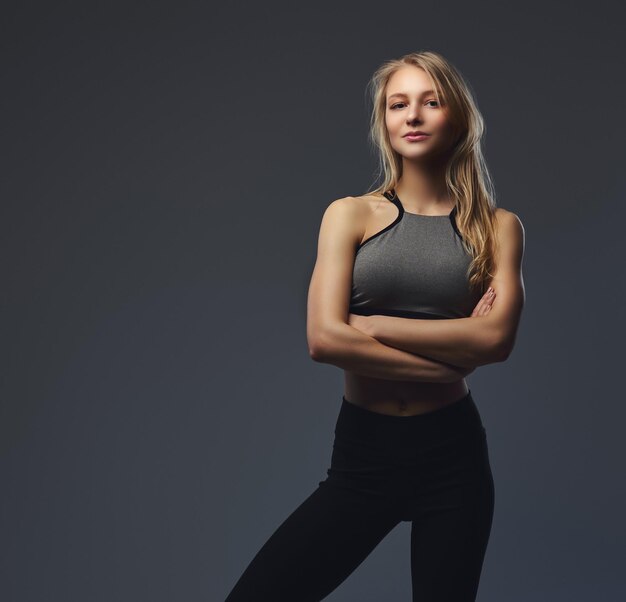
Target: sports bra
{"x": 416, "y": 267}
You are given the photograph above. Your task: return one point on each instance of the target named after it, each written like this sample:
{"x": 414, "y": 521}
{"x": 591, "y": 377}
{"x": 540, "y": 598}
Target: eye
{"x": 393, "y": 106}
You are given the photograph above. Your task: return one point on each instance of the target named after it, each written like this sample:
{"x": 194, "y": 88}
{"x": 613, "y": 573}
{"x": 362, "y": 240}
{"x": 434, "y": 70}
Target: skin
{"x": 403, "y": 366}
{"x": 410, "y": 106}
{"x": 422, "y": 185}
{"x": 388, "y": 396}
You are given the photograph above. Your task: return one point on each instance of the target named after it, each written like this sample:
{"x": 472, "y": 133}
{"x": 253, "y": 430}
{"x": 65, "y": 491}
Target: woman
{"x": 415, "y": 285}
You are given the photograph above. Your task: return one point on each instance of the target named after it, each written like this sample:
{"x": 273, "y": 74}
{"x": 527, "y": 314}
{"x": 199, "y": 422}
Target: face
{"x": 411, "y": 104}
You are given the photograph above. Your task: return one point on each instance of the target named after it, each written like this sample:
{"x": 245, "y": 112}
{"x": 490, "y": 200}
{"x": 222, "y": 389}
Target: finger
{"x": 480, "y": 307}
{"x": 489, "y": 297}
{"x": 484, "y": 304}
{"x": 486, "y": 307}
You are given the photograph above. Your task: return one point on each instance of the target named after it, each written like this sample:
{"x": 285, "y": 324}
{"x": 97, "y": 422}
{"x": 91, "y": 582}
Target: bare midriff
{"x": 400, "y": 398}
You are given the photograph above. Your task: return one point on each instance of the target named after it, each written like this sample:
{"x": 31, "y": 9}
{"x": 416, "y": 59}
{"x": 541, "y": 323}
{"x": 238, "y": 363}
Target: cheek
{"x": 442, "y": 122}
{"x": 391, "y": 123}
{"x": 445, "y": 127}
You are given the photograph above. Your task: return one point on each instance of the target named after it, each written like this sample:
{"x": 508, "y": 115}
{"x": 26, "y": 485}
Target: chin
{"x": 420, "y": 153}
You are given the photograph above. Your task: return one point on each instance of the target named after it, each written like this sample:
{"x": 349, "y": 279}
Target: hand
{"x": 362, "y": 323}
{"x": 484, "y": 305}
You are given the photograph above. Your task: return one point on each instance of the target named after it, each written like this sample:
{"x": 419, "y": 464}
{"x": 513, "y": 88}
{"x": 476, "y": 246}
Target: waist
{"x": 359, "y": 429}
{"x": 400, "y": 398}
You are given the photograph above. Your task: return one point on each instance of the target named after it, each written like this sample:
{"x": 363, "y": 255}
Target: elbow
{"x": 495, "y": 348}
{"x": 314, "y": 349}
{"x": 329, "y": 343}
{"x": 505, "y": 354}
{"x": 316, "y": 352}
{"x": 318, "y": 348}
{"x": 499, "y": 356}
{"x": 503, "y": 348}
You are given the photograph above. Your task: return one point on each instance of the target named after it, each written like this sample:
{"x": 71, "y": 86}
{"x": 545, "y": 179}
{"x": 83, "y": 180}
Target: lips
{"x": 417, "y": 133}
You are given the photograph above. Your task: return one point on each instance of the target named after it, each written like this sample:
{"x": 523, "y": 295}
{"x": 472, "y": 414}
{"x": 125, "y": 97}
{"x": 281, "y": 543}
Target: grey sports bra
{"x": 416, "y": 267}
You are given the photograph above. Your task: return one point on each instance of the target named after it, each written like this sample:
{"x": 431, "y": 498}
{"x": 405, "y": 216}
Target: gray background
{"x": 166, "y": 167}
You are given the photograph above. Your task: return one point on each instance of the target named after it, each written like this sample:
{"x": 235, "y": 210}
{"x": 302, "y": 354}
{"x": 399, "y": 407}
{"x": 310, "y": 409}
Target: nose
{"x": 413, "y": 114}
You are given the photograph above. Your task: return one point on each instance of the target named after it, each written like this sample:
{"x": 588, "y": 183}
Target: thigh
{"x": 449, "y": 539}
{"x": 316, "y": 548}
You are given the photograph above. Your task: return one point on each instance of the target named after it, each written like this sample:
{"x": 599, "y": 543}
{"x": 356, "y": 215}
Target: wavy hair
{"x": 467, "y": 178}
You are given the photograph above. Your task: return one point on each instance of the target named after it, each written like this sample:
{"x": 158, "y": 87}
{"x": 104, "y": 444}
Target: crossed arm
{"x": 487, "y": 336}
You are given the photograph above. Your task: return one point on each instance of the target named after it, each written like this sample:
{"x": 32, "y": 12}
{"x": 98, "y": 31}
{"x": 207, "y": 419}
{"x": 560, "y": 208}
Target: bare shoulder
{"x": 363, "y": 204}
{"x": 509, "y": 225}
{"x": 361, "y": 208}
{"x": 370, "y": 202}
{"x": 510, "y": 236}
{"x": 351, "y": 213}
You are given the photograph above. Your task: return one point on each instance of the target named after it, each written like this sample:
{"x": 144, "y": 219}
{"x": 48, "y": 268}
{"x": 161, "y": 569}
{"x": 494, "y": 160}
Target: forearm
{"x": 468, "y": 342}
{"x": 350, "y": 349}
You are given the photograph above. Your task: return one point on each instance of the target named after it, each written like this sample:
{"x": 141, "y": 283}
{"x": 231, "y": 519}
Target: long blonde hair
{"x": 467, "y": 177}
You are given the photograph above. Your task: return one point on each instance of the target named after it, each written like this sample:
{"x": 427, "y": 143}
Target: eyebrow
{"x": 403, "y": 94}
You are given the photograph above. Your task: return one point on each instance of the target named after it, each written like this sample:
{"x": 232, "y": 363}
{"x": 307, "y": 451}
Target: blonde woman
{"x": 416, "y": 283}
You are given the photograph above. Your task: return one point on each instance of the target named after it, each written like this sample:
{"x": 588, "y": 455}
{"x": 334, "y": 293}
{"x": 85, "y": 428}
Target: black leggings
{"x": 431, "y": 469}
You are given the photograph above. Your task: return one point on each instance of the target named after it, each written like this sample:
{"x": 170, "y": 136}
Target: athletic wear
{"x": 416, "y": 267}
{"x": 431, "y": 469}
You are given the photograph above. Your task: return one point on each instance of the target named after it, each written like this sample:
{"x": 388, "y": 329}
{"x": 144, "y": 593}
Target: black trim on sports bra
{"x": 399, "y": 313}
{"x": 452, "y": 215}
{"x": 394, "y": 199}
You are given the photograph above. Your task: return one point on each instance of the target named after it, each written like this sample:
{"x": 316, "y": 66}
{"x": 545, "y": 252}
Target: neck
{"x": 422, "y": 186}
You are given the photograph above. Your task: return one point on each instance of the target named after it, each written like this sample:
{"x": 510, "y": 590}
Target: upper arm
{"x": 328, "y": 301}
{"x": 508, "y": 281}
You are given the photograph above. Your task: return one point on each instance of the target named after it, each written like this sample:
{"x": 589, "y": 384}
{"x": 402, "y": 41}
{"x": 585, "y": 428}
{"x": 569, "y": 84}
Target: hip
{"x": 375, "y": 450}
